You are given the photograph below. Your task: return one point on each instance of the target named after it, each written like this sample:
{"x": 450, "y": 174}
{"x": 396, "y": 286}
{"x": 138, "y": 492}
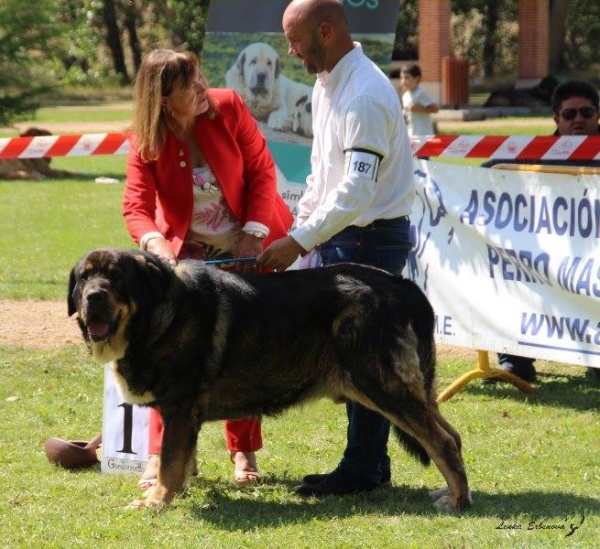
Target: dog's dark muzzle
{"x": 98, "y": 315}
{"x": 260, "y": 85}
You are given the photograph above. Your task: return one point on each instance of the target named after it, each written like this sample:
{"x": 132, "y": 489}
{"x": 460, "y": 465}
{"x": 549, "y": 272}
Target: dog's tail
{"x": 412, "y": 446}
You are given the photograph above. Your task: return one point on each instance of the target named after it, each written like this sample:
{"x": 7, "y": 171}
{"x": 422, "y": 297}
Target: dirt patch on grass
{"x": 46, "y": 325}
{"x": 39, "y": 324}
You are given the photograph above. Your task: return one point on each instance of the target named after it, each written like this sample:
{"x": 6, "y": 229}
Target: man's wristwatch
{"x": 257, "y": 234}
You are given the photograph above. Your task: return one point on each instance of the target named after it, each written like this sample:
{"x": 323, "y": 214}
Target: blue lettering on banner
{"x": 519, "y": 265}
{"x": 561, "y": 328}
{"x": 443, "y": 325}
{"x": 291, "y": 199}
{"x": 579, "y": 276}
{"x": 534, "y": 214}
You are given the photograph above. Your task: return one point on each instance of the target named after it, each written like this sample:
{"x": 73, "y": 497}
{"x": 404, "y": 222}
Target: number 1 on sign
{"x": 127, "y": 428}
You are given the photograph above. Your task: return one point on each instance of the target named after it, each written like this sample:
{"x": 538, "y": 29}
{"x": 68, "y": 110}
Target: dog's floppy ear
{"x": 72, "y": 306}
{"x": 153, "y": 275}
{"x": 278, "y": 66}
{"x": 302, "y": 100}
{"x": 241, "y": 60}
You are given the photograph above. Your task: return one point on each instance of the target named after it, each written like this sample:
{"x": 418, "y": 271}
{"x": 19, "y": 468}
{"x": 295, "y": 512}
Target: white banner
{"x": 124, "y": 431}
{"x": 510, "y": 259}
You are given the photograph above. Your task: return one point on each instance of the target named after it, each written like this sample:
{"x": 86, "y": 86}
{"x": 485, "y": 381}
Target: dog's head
{"x": 258, "y": 66}
{"x": 107, "y": 288}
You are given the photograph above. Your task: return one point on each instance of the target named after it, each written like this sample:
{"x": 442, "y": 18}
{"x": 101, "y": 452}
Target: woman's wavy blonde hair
{"x": 161, "y": 69}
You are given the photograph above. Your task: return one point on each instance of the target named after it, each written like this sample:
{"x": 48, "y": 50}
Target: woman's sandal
{"x": 248, "y": 474}
{"x": 146, "y": 483}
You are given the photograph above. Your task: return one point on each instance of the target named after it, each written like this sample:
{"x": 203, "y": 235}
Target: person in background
{"x": 417, "y": 103}
{"x": 201, "y": 184}
{"x": 357, "y": 200}
{"x": 576, "y": 109}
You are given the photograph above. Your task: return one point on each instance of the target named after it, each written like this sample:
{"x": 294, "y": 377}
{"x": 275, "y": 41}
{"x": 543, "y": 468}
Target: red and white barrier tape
{"x": 510, "y": 147}
{"x": 64, "y": 145}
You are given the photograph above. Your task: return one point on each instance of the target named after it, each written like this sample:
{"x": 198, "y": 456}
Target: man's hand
{"x": 280, "y": 254}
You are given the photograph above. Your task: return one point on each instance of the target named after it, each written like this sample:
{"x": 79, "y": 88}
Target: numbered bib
{"x": 124, "y": 431}
{"x": 362, "y": 162}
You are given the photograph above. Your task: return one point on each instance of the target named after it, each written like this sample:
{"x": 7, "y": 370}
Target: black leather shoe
{"x": 386, "y": 479}
{"x": 338, "y": 483}
{"x": 521, "y": 367}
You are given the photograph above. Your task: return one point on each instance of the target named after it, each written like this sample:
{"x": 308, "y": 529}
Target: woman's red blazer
{"x": 158, "y": 195}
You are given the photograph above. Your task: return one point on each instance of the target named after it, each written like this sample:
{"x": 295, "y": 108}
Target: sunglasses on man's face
{"x": 570, "y": 114}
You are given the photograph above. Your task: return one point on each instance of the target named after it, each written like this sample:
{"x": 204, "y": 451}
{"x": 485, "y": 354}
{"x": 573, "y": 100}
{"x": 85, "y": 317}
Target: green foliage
{"x": 23, "y": 37}
{"x": 486, "y": 34}
{"x": 77, "y": 45}
{"x": 582, "y": 41}
{"x": 406, "y": 43}
{"x": 186, "y": 23}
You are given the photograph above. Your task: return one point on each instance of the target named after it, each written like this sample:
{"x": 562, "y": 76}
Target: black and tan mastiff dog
{"x": 204, "y": 344}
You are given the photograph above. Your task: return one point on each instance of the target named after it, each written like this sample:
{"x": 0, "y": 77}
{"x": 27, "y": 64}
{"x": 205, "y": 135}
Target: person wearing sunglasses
{"x": 576, "y": 108}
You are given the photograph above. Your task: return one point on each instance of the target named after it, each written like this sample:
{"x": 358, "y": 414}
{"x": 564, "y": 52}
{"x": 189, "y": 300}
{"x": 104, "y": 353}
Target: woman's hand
{"x": 248, "y": 246}
{"x": 161, "y": 248}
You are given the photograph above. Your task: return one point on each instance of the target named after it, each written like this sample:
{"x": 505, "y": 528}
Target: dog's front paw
{"x": 280, "y": 122}
{"x": 156, "y": 497}
{"x": 145, "y": 504}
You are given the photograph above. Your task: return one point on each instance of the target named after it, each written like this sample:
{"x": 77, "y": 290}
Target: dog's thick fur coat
{"x": 203, "y": 344}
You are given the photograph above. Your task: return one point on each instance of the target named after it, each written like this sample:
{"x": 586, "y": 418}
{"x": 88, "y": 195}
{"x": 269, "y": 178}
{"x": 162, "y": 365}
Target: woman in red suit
{"x": 201, "y": 183}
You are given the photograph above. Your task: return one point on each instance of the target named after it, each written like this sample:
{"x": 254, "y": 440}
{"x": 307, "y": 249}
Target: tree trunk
{"x": 558, "y": 14}
{"x": 489, "y": 44}
{"x": 131, "y": 17}
{"x": 113, "y": 40}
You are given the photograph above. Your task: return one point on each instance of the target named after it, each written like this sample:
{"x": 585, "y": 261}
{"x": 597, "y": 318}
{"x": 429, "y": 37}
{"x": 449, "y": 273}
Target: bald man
{"x": 357, "y": 200}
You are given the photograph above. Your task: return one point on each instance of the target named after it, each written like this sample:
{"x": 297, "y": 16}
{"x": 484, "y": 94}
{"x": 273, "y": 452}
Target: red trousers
{"x": 241, "y": 435}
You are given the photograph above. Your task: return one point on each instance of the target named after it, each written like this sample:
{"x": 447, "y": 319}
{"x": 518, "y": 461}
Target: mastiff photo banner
{"x": 509, "y": 259}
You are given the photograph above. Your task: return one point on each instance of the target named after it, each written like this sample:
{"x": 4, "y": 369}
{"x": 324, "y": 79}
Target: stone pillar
{"x": 534, "y": 42}
{"x": 434, "y": 42}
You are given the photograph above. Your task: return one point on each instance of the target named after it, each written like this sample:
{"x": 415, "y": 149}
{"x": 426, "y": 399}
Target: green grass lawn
{"x": 532, "y": 461}
{"x": 46, "y": 226}
{"x": 91, "y": 111}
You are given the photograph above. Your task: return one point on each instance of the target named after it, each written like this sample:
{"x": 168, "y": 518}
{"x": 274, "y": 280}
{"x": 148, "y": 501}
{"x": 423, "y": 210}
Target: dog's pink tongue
{"x": 98, "y": 329}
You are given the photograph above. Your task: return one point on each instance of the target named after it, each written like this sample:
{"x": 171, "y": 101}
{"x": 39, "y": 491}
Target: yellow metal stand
{"x": 484, "y": 371}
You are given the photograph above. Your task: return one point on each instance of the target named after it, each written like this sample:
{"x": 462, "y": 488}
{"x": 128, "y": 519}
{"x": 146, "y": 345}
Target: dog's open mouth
{"x": 99, "y": 330}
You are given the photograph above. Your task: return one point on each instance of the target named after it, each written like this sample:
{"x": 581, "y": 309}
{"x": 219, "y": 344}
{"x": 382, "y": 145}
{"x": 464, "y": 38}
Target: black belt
{"x": 384, "y": 223}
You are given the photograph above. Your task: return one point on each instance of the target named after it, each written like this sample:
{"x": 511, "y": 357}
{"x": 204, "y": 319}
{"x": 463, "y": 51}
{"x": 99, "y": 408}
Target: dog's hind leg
{"x": 408, "y": 409}
{"x": 445, "y": 424}
{"x": 443, "y": 449}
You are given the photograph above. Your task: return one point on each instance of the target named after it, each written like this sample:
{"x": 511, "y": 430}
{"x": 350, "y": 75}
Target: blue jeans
{"x": 384, "y": 244}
